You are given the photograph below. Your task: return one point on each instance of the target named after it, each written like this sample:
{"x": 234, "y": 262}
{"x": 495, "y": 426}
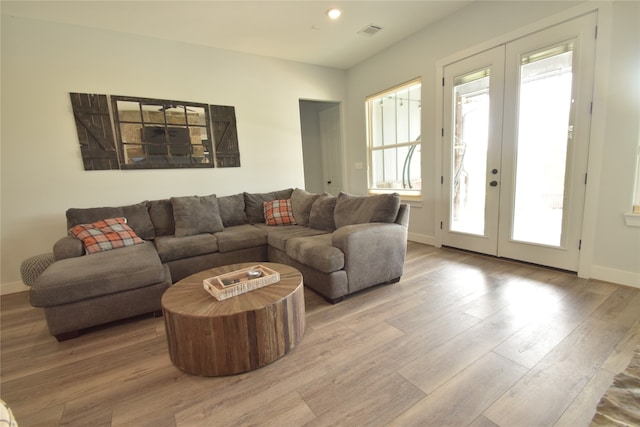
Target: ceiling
{"x": 293, "y": 30}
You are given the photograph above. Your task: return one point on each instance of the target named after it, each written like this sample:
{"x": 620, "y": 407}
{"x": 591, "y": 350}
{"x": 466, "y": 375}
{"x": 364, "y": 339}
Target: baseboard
{"x": 622, "y": 277}
{"x": 13, "y": 287}
{"x": 422, "y": 238}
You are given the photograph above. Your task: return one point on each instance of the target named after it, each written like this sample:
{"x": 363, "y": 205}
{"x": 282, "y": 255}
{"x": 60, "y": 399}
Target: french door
{"x": 515, "y": 148}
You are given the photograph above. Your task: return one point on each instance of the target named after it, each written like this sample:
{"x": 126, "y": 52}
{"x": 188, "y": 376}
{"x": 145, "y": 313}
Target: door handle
{"x": 493, "y": 183}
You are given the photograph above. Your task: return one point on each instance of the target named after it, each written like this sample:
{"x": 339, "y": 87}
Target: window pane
{"x": 415, "y": 108}
{"x": 152, "y": 113}
{"x": 134, "y": 153}
{"x": 375, "y": 107}
{"x": 129, "y": 111}
{"x": 176, "y": 115}
{"x": 394, "y": 123}
{"x": 469, "y": 156}
{"x": 402, "y": 116}
{"x": 196, "y": 116}
{"x": 397, "y": 168}
{"x": 543, "y": 129}
{"x": 130, "y": 132}
{"x": 389, "y": 121}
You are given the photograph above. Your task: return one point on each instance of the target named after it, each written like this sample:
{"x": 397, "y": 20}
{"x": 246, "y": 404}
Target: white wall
{"x": 42, "y": 173}
{"x": 613, "y": 249}
{"x": 616, "y": 252}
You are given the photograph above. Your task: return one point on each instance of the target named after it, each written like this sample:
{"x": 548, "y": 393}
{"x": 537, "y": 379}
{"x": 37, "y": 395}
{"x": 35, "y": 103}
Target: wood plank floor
{"x": 462, "y": 340}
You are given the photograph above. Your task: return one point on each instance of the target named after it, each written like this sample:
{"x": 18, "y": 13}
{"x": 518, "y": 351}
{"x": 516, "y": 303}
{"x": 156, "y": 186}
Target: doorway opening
{"x": 322, "y": 148}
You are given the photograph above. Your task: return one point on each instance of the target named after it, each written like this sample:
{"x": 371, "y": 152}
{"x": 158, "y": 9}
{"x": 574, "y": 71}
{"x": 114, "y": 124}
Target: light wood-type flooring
{"x": 461, "y": 340}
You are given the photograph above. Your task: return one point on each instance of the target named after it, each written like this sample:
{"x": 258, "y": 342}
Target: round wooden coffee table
{"x": 211, "y": 338}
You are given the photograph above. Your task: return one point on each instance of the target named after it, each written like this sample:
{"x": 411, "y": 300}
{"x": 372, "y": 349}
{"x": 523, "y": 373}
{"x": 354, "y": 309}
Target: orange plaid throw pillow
{"x": 279, "y": 212}
{"x": 105, "y": 235}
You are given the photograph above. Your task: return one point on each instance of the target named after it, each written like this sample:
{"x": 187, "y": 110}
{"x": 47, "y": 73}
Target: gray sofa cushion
{"x": 171, "y": 247}
{"x": 317, "y": 252}
{"x": 137, "y": 217}
{"x": 253, "y": 203}
{"x": 240, "y": 237}
{"x": 301, "y": 202}
{"x": 232, "y": 210}
{"x": 322, "y": 213}
{"x": 161, "y": 214}
{"x": 76, "y": 279}
{"x": 196, "y": 214}
{"x": 363, "y": 209}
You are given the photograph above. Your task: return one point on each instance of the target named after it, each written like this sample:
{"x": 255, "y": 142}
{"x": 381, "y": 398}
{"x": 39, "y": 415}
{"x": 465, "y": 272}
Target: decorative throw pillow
{"x": 137, "y": 217}
{"x": 196, "y": 214}
{"x": 105, "y": 235}
{"x": 321, "y": 216}
{"x": 279, "y": 212}
{"x": 254, "y": 203}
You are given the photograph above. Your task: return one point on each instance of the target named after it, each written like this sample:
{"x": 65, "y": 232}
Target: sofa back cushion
{"x": 322, "y": 213}
{"x": 196, "y": 214}
{"x": 352, "y": 209}
{"x": 254, "y": 203}
{"x": 301, "y": 202}
{"x": 232, "y": 210}
{"x": 137, "y": 217}
{"x": 161, "y": 214}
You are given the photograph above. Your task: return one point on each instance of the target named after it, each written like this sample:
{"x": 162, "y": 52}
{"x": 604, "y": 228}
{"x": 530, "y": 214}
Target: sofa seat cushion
{"x": 240, "y": 237}
{"x": 171, "y": 247}
{"x": 316, "y": 252}
{"x": 104, "y": 273}
{"x": 277, "y": 237}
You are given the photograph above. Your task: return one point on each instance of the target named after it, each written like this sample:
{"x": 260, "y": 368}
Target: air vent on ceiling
{"x": 369, "y": 30}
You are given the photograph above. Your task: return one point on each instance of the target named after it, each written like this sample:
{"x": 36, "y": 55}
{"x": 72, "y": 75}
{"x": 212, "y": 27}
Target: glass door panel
{"x": 471, "y": 139}
{"x": 549, "y": 83}
{"x": 471, "y": 152}
{"x": 543, "y": 134}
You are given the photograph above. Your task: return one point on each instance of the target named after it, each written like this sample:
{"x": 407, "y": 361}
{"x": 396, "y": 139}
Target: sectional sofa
{"x": 117, "y": 262}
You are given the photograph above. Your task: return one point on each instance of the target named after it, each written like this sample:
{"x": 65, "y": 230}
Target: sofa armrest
{"x": 403, "y": 214}
{"x": 68, "y": 247}
{"x": 373, "y": 253}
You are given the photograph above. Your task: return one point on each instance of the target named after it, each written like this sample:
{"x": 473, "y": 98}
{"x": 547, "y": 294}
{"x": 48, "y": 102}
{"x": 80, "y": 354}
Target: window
{"x": 394, "y": 140}
{"x": 156, "y": 133}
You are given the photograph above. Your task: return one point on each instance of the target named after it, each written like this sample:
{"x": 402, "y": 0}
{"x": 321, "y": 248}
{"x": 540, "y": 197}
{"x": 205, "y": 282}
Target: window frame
{"x": 406, "y": 193}
{"x": 170, "y": 160}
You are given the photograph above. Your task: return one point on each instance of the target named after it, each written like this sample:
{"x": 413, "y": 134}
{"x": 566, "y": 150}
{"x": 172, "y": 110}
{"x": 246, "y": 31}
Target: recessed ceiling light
{"x": 334, "y": 13}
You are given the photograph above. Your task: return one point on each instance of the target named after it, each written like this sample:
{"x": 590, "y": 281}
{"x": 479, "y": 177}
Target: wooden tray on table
{"x": 240, "y": 281}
